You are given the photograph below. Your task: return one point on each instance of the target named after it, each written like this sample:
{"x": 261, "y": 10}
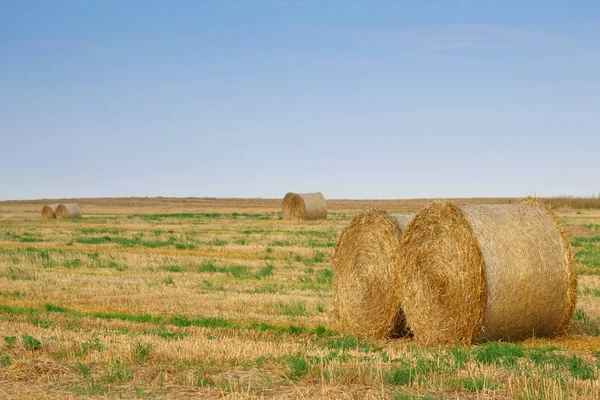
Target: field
{"x": 209, "y": 298}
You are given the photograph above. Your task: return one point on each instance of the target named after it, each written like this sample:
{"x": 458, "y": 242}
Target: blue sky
{"x": 241, "y": 98}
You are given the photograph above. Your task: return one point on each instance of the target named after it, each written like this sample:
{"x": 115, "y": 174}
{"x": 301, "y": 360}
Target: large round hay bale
{"x": 68, "y": 210}
{"x": 487, "y": 272}
{"x": 49, "y": 211}
{"x": 367, "y": 276}
{"x": 304, "y": 206}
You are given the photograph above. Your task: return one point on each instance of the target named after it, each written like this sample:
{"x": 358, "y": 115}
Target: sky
{"x": 254, "y": 98}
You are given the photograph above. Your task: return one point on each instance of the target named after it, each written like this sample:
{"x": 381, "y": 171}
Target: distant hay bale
{"x": 49, "y": 211}
{"x": 367, "y": 276}
{"x": 68, "y": 210}
{"x": 487, "y": 272}
{"x": 304, "y": 206}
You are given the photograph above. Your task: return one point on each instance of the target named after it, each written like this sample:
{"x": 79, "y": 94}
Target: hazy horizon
{"x": 359, "y": 100}
{"x": 595, "y": 196}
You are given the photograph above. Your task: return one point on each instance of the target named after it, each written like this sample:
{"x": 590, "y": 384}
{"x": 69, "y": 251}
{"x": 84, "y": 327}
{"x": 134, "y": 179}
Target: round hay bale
{"x": 68, "y": 210}
{"x": 366, "y": 280}
{"x": 49, "y": 211}
{"x": 304, "y": 206}
{"x": 487, "y": 272}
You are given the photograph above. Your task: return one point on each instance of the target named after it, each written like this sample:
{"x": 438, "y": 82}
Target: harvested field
{"x": 208, "y": 298}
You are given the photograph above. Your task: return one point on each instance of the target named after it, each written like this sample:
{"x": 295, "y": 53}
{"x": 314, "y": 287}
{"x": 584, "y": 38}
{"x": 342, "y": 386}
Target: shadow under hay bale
{"x": 68, "y": 210}
{"x": 304, "y": 206}
{"x": 367, "y": 274}
{"x": 487, "y": 272}
{"x": 49, "y": 211}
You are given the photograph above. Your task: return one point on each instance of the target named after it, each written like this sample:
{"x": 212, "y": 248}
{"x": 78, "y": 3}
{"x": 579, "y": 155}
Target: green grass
{"x": 72, "y": 263}
{"x": 4, "y": 360}
{"x": 186, "y": 246}
{"x": 339, "y": 216}
{"x": 349, "y": 342}
{"x": 473, "y": 384}
{"x": 593, "y": 227}
{"x": 168, "y": 281}
{"x": 115, "y": 266}
{"x": 587, "y": 253}
{"x": 318, "y": 257}
{"x": 95, "y": 231}
{"x": 584, "y": 291}
{"x": 10, "y": 340}
{"x": 19, "y": 274}
{"x": 139, "y": 241}
{"x": 313, "y": 243}
{"x": 294, "y": 310}
{"x": 94, "y": 240}
{"x": 201, "y": 216}
{"x": 30, "y": 254}
{"x": 209, "y": 267}
{"x": 548, "y": 359}
{"x": 267, "y": 289}
{"x": 118, "y": 372}
{"x": 324, "y": 276}
{"x": 171, "y": 335}
{"x": 180, "y": 321}
{"x": 415, "y": 367}
{"x": 503, "y": 354}
{"x": 399, "y": 375}
{"x": 172, "y": 268}
{"x": 279, "y": 243}
{"x": 141, "y": 352}
{"x": 265, "y": 272}
{"x": 582, "y": 241}
{"x": 126, "y": 242}
{"x": 588, "y": 256}
{"x": 26, "y": 237}
{"x": 237, "y": 271}
{"x": 581, "y": 323}
{"x": 312, "y": 233}
{"x": 297, "y": 366}
{"x": 53, "y": 308}
{"x": 31, "y": 343}
{"x": 41, "y": 323}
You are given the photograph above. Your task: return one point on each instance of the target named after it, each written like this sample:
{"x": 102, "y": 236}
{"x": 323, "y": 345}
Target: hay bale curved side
{"x": 49, "y": 211}
{"x": 444, "y": 292}
{"x": 569, "y": 263}
{"x": 304, "y": 206}
{"x": 68, "y": 210}
{"x": 366, "y": 281}
{"x": 487, "y": 272}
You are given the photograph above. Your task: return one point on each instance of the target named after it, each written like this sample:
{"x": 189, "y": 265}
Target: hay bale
{"x": 49, "y": 211}
{"x": 68, "y": 210}
{"x": 304, "y": 206}
{"x": 366, "y": 277}
{"x": 487, "y": 272}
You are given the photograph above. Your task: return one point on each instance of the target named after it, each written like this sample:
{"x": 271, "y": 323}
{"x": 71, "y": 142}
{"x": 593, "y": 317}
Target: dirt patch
{"x": 579, "y": 231}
